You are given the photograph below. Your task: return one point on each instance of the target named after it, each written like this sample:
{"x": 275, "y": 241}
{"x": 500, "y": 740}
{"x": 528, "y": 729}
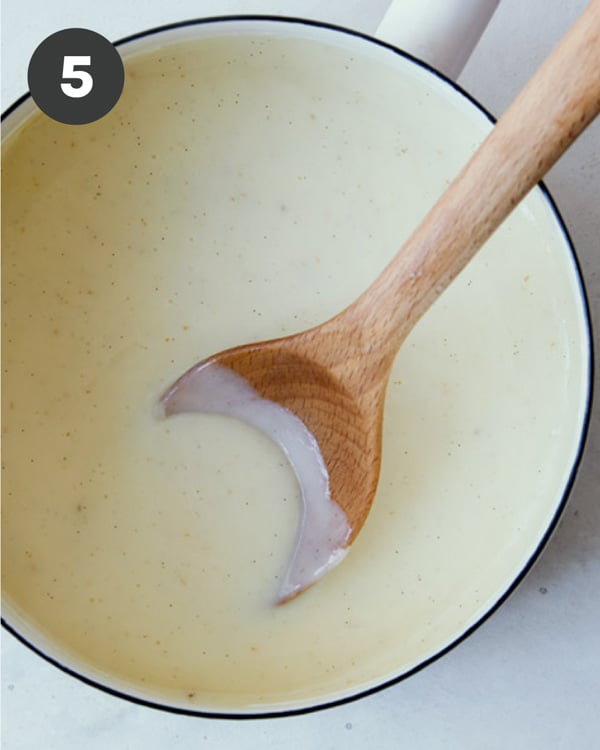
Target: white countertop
{"x": 529, "y": 677}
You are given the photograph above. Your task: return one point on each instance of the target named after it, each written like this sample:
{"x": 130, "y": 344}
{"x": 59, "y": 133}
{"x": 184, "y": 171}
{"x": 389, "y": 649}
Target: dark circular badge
{"x": 75, "y": 76}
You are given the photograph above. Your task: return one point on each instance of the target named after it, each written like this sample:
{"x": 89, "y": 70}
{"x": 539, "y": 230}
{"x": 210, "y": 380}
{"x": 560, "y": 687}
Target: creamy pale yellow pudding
{"x": 247, "y": 187}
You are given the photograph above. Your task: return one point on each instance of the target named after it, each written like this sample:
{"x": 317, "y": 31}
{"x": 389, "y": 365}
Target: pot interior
{"x": 253, "y": 179}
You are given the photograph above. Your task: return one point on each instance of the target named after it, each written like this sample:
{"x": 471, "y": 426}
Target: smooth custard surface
{"x": 244, "y": 188}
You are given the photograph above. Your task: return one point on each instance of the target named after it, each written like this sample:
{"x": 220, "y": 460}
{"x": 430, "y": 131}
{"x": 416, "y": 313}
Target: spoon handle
{"x": 559, "y": 101}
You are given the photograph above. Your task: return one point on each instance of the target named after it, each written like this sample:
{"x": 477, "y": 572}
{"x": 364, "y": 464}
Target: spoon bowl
{"x": 343, "y": 416}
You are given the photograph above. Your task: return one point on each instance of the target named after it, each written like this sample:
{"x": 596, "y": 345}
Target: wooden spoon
{"x": 334, "y": 376}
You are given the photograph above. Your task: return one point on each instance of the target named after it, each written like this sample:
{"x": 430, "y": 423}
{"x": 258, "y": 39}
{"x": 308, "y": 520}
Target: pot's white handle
{"x": 443, "y": 33}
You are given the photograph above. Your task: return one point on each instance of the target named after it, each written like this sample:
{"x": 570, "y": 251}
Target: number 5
{"x": 69, "y": 71}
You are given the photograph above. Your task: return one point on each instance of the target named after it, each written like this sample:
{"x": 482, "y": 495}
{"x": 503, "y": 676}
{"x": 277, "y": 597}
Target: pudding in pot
{"x": 247, "y": 186}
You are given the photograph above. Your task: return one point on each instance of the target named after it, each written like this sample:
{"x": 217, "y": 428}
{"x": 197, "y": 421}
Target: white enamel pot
{"x": 304, "y": 153}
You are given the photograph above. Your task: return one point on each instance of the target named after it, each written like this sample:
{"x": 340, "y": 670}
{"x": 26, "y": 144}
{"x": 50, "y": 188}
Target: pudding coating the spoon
{"x": 324, "y": 531}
